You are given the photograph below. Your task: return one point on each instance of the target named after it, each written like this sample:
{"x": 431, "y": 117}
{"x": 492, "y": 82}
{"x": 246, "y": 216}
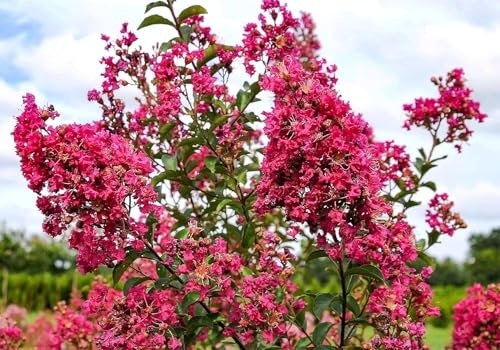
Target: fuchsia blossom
{"x": 454, "y": 106}
{"x": 11, "y": 336}
{"x": 278, "y": 35}
{"x": 440, "y": 216}
{"x": 319, "y": 167}
{"x": 139, "y": 320}
{"x": 394, "y": 163}
{"x": 84, "y": 176}
{"x": 477, "y": 319}
{"x": 71, "y": 328}
{"x": 318, "y": 160}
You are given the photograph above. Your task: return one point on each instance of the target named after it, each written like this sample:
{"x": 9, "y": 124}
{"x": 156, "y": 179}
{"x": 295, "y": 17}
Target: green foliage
{"x": 437, "y": 338}
{"x": 44, "y": 290}
{"x": 445, "y": 297}
{"x": 316, "y": 274}
{"x": 19, "y": 253}
{"x": 449, "y": 273}
{"x": 484, "y": 264}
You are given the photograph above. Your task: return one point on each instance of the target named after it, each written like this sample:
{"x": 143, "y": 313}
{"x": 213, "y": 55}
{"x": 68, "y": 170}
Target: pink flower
{"x": 440, "y": 216}
{"x": 454, "y": 108}
{"x": 477, "y": 319}
{"x": 81, "y": 175}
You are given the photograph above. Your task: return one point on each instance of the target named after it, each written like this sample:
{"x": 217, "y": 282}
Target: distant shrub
{"x": 445, "y": 297}
{"x": 42, "y": 291}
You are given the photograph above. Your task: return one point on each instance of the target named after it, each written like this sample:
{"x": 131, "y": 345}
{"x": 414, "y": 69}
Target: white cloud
{"x": 63, "y": 66}
{"x": 479, "y": 202}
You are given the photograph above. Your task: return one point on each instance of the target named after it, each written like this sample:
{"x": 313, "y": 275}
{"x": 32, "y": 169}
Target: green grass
{"x": 32, "y": 316}
{"x": 438, "y": 338}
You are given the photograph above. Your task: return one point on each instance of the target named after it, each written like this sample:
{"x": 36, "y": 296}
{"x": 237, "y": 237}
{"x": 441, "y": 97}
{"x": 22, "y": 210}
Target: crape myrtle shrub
{"x": 198, "y": 211}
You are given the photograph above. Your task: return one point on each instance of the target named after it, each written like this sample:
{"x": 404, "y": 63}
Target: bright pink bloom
{"x": 84, "y": 178}
{"x": 440, "y": 217}
{"x": 454, "y": 106}
{"x": 477, "y": 319}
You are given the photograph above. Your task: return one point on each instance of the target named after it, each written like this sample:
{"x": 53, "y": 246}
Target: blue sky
{"x": 386, "y": 51}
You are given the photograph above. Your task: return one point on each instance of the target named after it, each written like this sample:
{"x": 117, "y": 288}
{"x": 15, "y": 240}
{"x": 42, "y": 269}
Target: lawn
{"x": 438, "y": 338}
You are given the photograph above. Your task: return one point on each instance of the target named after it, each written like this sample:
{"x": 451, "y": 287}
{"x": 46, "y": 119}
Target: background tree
{"x": 484, "y": 263}
{"x": 34, "y": 254}
{"x": 449, "y": 273}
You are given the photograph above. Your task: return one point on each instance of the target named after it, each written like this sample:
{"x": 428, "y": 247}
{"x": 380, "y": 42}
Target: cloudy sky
{"x": 386, "y": 52}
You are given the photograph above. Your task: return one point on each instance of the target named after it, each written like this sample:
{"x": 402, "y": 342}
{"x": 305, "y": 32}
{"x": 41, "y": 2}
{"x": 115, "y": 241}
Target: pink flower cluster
{"x": 71, "y": 328}
{"x": 317, "y": 163}
{"x": 84, "y": 177}
{"x": 391, "y": 308}
{"x": 322, "y": 168}
{"x": 394, "y": 163}
{"x": 477, "y": 319}
{"x": 440, "y": 216}
{"x": 11, "y": 336}
{"x": 278, "y": 35}
{"x": 454, "y": 106}
{"x": 265, "y": 297}
{"x": 138, "y": 320}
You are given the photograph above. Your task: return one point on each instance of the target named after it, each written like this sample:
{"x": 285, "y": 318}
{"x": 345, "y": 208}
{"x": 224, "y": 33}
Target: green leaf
{"x": 359, "y": 320}
{"x": 350, "y": 282}
{"x": 154, "y": 4}
{"x": 163, "y": 282}
{"x": 422, "y": 153}
{"x": 302, "y": 344}
{"x": 209, "y": 54}
{"x": 320, "y": 332}
{"x": 132, "y": 282}
{"x": 167, "y": 46}
{"x": 433, "y": 237}
{"x": 410, "y": 204}
{"x": 426, "y": 259}
{"x": 316, "y": 255}
{"x": 169, "y": 162}
{"x": 336, "y": 305}
{"x": 198, "y": 321}
{"x": 165, "y": 129}
{"x": 300, "y": 319}
{"x": 426, "y": 167}
{"x": 438, "y": 159}
{"x": 191, "y": 141}
{"x": 352, "y": 305}
{"x": 429, "y": 184}
{"x": 189, "y": 299}
{"x": 223, "y": 203}
{"x": 210, "y": 163}
{"x": 370, "y": 271}
{"x": 218, "y": 121}
{"x": 155, "y": 19}
{"x": 161, "y": 270}
{"x": 243, "y": 99}
{"x": 419, "y": 163}
{"x": 122, "y": 266}
{"x": 420, "y": 245}
{"x": 191, "y": 11}
{"x": 321, "y": 303}
{"x": 247, "y": 271}
{"x": 186, "y": 32}
{"x": 248, "y": 238}
{"x": 181, "y": 234}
